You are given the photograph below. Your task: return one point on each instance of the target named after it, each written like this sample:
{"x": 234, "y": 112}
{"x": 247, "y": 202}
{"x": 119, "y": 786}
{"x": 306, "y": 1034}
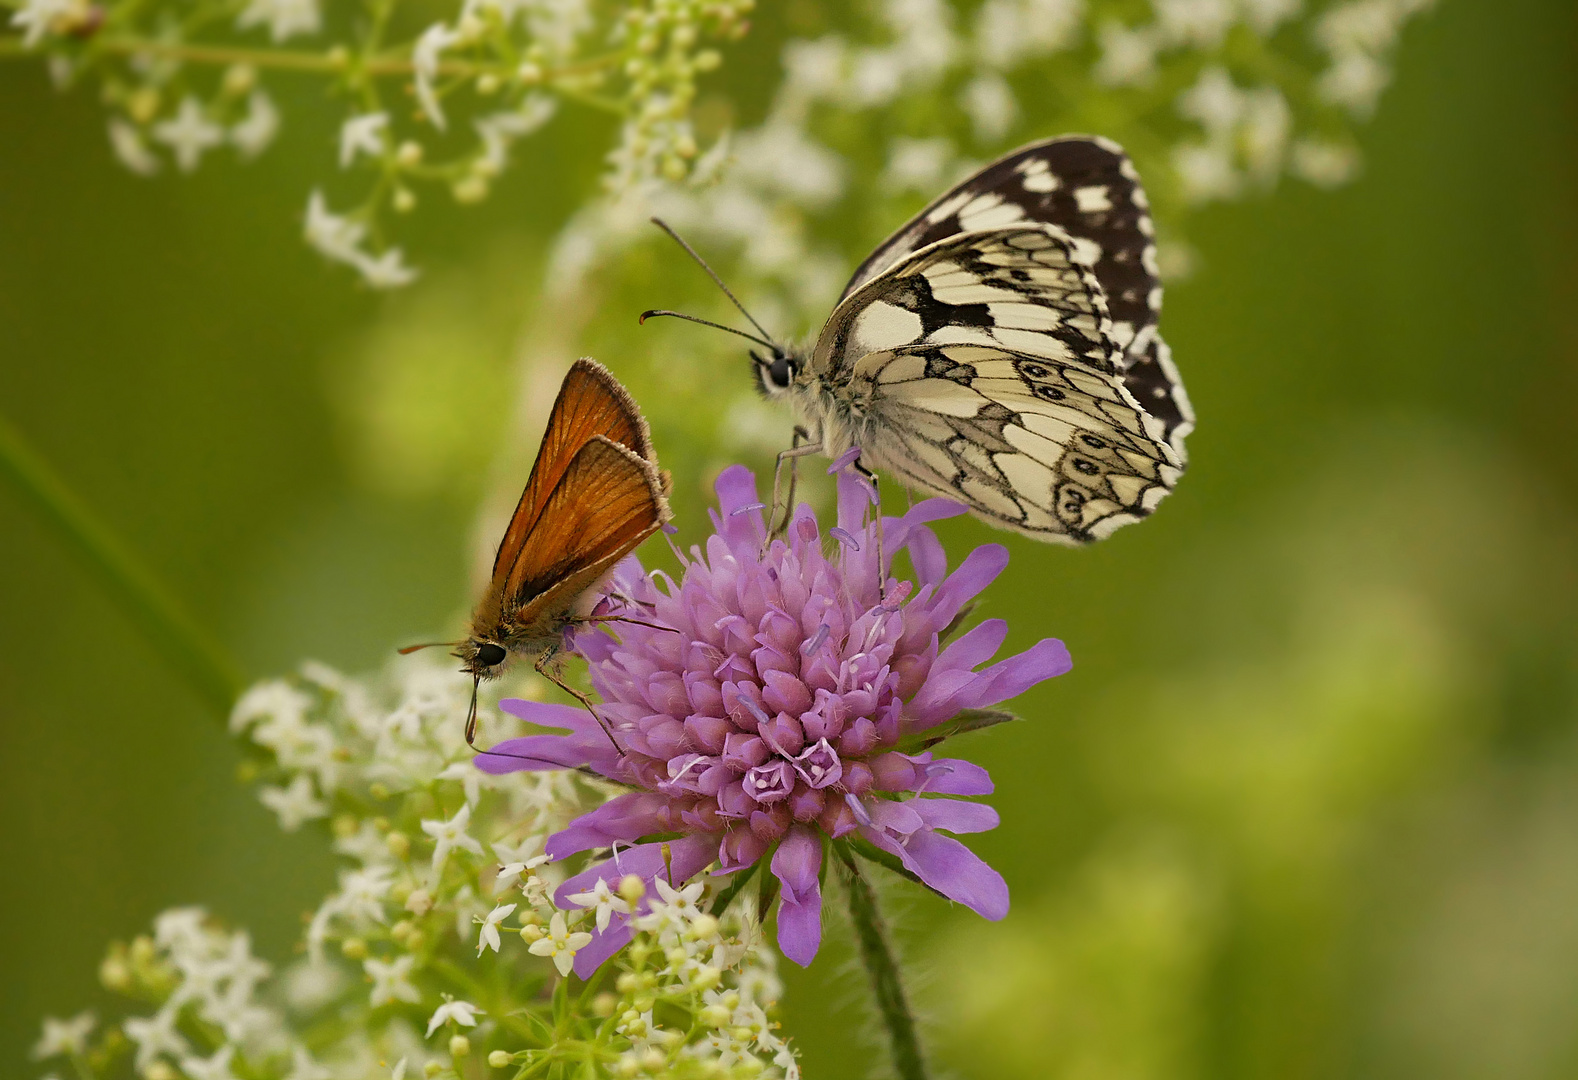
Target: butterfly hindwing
{"x": 1089, "y": 189}
{"x": 1057, "y": 449}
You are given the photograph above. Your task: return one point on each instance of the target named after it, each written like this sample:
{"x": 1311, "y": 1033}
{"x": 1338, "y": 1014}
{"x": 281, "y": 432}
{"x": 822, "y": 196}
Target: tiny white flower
{"x": 1264, "y": 16}
{"x": 991, "y": 106}
{"x": 1354, "y": 82}
{"x": 215, "y": 1067}
{"x": 1324, "y": 164}
{"x": 1202, "y": 23}
{"x": 305, "y": 1067}
{"x": 130, "y": 149}
{"x": 274, "y": 699}
{"x": 391, "y": 980}
{"x": 362, "y": 893}
{"x": 681, "y": 902}
{"x": 488, "y": 938}
{"x": 337, "y": 237}
{"x": 517, "y": 860}
{"x": 386, "y": 270}
{"x": 69, "y": 1037}
{"x": 1205, "y": 171}
{"x": 424, "y": 65}
{"x": 603, "y": 901}
{"x": 461, "y": 1012}
{"x": 294, "y": 804}
{"x": 362, "y": 134}
{"x": 39, "y": 17}
{"x": 1128, "y": 57}
{"x": 257, "y": 129}
{"x": 448, "y": 835}
{"x": 190, "y": 134}
{"x": 560, "y": 944}
{"x": 1213, "y": 101}
{"x": 285, "y": 18}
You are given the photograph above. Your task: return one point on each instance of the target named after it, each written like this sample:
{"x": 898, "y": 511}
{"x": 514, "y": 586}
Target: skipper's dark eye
{"x": 490, "y": 655}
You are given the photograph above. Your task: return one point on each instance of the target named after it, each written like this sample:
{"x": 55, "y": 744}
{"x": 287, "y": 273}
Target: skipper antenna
{"x": 660, "y": 223}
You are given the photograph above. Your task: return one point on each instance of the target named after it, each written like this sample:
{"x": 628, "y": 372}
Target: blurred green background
{"x": 1307, "y": 805}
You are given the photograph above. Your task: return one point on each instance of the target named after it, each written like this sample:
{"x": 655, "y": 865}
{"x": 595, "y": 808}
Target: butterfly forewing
{"x": 591, "y": 403}
{"x": 1088, "y": 188}
{"x": 1018, "y": 287}
{"x": 607, "y": 501}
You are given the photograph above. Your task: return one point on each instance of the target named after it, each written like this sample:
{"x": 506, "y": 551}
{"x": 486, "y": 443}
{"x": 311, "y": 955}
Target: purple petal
{"x": 1046, "y": 659}
{"x": 587, "y": 744}
{"x": 689, "y": 854}
{"x": 603, "y": 945}
{"x": 955, "y": 776}
{"x": 955, "y": 816}
{"x": 926, "y": 555}
{"x": 844, "y": 460}
{"x": 622, "y": 819}
{"x": 974, "y": 648}
{"x": 979, "y": 569}
{"x": 796, "y": 864}
{"x": 744, "y": 533}
{"x": 949, "y": 867}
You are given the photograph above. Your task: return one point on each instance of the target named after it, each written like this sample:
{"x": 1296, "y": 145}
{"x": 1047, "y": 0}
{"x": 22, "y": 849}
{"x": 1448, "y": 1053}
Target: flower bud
{"x": 398, "y": 843}
{"x": 354, "y": 948}
{"x": 704, "y": 926}
{"x": 531, "y": 933}
{"x": 631, "y": 888}
{"x": 432, "y": 1068}
{"x": 459, "y": 1046}
{"x": 604, "y": 1004}
{"x": 499, "y": 1059}
{"x": 714, "y": 1016}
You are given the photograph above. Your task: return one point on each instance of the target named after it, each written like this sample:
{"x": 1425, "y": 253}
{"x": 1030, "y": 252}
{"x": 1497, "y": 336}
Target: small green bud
{"x": 604, "y": 1004}
{"x": 459, "y": 1046}
{"x": 499, "y": 1059}
{"x": 398, "y": 843}
{"x": 354, "y": 948}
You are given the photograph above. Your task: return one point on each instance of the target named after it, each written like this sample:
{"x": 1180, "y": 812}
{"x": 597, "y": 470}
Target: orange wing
{"x": 608, "y": 500}
{"x": 591, "y": 402}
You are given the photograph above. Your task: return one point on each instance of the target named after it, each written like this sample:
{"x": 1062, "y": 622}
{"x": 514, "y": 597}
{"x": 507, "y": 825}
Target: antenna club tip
{"x": 642, "y": 319}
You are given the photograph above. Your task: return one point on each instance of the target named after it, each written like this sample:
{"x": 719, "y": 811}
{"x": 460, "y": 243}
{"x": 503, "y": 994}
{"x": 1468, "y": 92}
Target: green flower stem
{"x": 332, "y": 61}
{"x": 883, "y": 969}
{"x": 183, "y": 644}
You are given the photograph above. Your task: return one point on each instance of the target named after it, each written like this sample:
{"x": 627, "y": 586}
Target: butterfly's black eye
{"x": 490, "y": 655}
{"x": 779, "y": 372}
{"x": 776, "y": 373}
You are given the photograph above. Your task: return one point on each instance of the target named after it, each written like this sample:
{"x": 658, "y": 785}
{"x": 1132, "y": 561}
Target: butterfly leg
{"x": 876, "y": 498}
{"x": 797, "y": 450}
{"x": 552, "y": 676}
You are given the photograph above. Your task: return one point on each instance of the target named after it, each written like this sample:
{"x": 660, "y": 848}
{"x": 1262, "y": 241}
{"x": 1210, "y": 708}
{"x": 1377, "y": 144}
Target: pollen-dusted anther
{"x": 790, "y": 710}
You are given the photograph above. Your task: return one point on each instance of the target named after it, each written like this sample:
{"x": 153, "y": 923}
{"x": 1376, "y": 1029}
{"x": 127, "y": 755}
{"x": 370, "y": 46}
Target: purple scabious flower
{"x": 795, "y": 702}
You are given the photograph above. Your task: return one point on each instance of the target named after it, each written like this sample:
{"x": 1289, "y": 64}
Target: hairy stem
{"x": 203, "y": 664}
{"x": 883, "y": 969}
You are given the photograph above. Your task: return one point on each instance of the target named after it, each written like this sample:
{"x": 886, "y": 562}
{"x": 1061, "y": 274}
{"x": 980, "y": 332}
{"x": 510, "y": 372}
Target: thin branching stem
{"x": 203, "y": 663}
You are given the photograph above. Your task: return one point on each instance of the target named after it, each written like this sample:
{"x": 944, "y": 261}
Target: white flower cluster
{"x": 404, "y": 970}
{"x": 839, "y": 133}
{"x": 491, "y": 73}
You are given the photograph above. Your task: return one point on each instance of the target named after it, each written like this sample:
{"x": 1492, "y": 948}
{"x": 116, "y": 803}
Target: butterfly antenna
{"x": 645, "y": 315}
{"x": 409, "y": 649}
{"x": 660, "y": 223}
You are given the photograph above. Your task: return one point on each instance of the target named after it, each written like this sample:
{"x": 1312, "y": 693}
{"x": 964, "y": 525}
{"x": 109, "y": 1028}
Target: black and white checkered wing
{"x": 983, "y": 368}
{"x": 1088, "y": 188}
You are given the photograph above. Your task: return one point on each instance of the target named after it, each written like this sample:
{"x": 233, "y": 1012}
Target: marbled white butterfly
{"x": 1001, "y": 350}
